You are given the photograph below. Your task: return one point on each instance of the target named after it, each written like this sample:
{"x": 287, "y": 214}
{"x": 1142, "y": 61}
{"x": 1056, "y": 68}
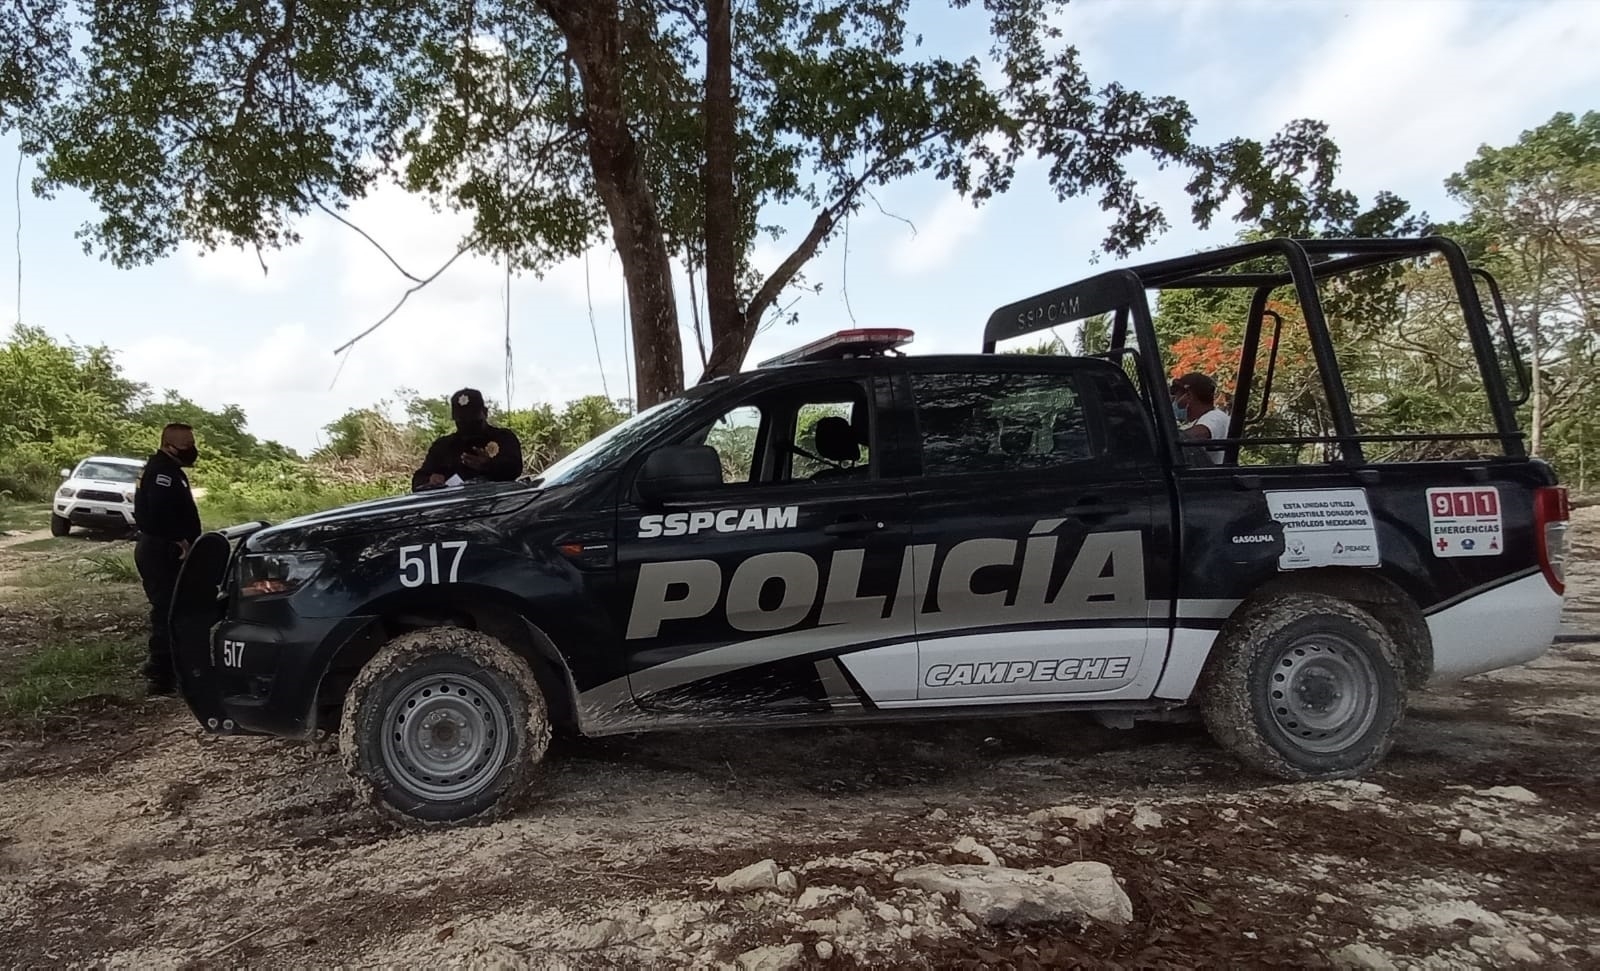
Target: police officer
{"x": 168, "y": 521}
{"x": 476, "y": 452}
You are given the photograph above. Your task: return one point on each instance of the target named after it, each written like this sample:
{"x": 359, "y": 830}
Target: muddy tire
{"x": 59, "y": 525}
{"x": 1305, "y": 686}
{"x": 444, "y": 726}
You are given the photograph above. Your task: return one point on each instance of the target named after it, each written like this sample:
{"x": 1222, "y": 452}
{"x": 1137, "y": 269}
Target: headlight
{"x": 263, "y": 574}
{"x": 127, "y": 497}
{"x": 65, "y": 493}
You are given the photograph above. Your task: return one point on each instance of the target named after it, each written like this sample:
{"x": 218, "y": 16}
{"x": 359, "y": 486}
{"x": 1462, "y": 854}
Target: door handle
{"x": 852, "y": 527}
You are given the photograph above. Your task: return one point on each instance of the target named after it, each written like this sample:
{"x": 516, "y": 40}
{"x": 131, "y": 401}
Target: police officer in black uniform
{"x": 168, "y": 521}
{"x": 477, "y": 451}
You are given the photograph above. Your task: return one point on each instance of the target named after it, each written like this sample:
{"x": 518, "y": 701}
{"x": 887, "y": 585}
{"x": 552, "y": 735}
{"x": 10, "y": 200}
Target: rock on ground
{"x": 772, "y": 958}
{"x": 1510, "y": 794}
{"x": 1080, "y": 817}
{"x": 967, "y": 846}
{"x": 756, "y": 876}
{"x": 1363, "y": 957}
{"x": 1099, "y": 895}
{"x": 1146, "y": 818}
{"x": 1008, "y": 896}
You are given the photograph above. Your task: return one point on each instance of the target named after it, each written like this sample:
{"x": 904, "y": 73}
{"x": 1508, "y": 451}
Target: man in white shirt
{"x": 1194, "y": 405}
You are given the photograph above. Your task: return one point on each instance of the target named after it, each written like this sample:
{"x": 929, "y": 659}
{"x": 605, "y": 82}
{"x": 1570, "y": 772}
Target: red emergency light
{"x": 862, "y": 342}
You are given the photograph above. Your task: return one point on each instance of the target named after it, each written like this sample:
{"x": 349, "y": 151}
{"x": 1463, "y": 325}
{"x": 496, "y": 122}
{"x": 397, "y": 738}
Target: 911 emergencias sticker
{"x": 1465, "y": 522}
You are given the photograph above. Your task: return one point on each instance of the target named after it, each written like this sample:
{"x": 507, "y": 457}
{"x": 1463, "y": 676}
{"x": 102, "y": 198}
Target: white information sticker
{"x": 1324, "y": 527}
{"x": 1465, "y": 522}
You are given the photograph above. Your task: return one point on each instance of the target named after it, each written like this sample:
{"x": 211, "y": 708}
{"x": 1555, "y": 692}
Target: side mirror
{"x": 676, "y": 469}
{"x": 66, "y": 473}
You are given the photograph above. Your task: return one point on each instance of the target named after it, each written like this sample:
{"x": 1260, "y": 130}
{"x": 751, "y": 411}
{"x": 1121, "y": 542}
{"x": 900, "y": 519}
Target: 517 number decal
{"x": 419, "y": 565}
{"x": 232, "y": 654}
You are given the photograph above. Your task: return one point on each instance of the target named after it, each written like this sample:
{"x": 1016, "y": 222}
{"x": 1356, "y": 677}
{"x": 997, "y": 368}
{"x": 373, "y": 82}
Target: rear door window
{"x": 988, "y": 422}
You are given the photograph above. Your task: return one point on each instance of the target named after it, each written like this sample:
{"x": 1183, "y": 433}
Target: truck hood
{"x": 105, "y": 484}
{"x": 484, "y": 501}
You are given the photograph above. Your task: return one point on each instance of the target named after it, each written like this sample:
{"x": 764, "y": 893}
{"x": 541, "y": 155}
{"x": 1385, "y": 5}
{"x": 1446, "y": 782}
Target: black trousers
{"x": 158, "y": 561}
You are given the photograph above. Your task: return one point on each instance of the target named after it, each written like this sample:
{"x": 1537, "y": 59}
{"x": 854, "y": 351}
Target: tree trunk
{"x": 593, "y": 30}
{"x": 730, "y": 329}
{"x": 1536, "y": 348}
{"x": 1536, "y": 391}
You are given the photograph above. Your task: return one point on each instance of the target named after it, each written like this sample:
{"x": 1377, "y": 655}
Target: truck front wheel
{"x": 444, "y": 726}
{"x": 1305, "y": 686}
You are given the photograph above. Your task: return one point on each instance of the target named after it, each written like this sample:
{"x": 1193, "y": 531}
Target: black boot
{"x": 160, "y": 679}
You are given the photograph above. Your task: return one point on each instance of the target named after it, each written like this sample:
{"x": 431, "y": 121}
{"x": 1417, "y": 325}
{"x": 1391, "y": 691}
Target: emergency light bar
{"x": 863, "y": 342}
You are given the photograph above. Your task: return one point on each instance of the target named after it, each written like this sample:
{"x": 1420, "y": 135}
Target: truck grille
{"x": 95, "y": 495}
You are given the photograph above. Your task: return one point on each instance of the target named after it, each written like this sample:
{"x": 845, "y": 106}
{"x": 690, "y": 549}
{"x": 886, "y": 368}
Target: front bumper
{"x": 241, "y": 677}
{"x": 92, "y": 514}
{"x": 248, "y": 678}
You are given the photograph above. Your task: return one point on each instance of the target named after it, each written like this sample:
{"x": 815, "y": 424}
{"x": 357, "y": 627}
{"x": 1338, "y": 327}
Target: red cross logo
{"x": 1443, "y": 544}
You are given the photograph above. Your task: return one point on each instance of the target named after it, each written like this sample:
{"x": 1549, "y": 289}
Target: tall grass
{"x": 111, "y": 568}
{"x": 60, "y": 672}
{"x": 22, "y": 514}
{"x": 275, "y": 501}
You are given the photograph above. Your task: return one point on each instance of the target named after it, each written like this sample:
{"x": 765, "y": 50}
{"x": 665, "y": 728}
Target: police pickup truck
{"x": 850, "y": 534}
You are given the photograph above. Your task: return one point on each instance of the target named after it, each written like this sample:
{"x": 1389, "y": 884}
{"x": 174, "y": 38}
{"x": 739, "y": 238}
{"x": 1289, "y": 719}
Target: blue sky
{"x": 1411, "y": 88}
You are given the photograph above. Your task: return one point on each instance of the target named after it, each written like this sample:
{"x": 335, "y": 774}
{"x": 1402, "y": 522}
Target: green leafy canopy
{"x": 224, "y": 124}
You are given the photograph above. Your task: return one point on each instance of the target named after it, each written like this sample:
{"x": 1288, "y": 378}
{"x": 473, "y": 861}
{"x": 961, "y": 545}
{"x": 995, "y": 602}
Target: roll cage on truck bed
{"x": 841, "y": 556}
{"x": 1307, "y": 263}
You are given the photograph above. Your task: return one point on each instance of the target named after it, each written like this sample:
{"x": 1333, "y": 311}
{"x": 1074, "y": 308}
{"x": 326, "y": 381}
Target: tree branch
{"x": 368, "y": 237}
{"x": 466, "y": 245}
{"x": 694, "y": 310}
{"x": 252, "y": 72}
{"x": 767, "y": 295}
{"x": 461, "y": 251}
{"x": 892, "y": 215}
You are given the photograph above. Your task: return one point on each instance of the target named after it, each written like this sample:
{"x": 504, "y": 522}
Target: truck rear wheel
{"x": 1305, "y": 686}
{"x": 444, "y": 726}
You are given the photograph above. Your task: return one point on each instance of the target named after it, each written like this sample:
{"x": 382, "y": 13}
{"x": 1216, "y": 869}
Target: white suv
{"x": 98, "y": 493}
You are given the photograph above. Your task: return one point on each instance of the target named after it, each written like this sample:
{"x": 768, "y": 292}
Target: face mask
{"x": 186, "y": 456}
{"x": 472, "y": 426}
{"x": 1180, "y": 412}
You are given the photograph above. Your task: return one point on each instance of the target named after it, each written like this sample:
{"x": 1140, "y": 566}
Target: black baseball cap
{"x": 467, "y": 401}
{"x": 1195, "y": 383}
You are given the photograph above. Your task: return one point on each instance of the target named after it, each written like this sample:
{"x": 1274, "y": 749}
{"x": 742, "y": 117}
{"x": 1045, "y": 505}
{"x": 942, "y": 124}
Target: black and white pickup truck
{"x": 847, "y": 533}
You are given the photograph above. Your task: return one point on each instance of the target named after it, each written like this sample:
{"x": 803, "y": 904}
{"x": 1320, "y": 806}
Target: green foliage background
{"x": 60, "y": 402}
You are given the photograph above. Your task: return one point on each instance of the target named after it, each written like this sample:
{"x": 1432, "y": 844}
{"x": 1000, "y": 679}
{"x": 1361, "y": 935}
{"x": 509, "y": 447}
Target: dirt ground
{"x": 128, "y": 839}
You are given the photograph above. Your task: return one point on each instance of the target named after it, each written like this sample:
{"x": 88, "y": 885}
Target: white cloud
{"x": 242, "y": 269}
{"x": 937, "y": 237}
{"x": 1410, "y": 90}
{"x": 278, "y": 372}
{"x": 448, "y": 334}
{"x": 596, "y": 277}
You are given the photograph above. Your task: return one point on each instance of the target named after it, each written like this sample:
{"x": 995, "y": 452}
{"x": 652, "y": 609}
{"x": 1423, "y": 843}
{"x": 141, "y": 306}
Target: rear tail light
{"x": 1550, "y": 514}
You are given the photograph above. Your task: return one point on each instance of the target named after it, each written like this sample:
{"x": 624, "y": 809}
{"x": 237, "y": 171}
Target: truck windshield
{"x": 108, "y": 472}
{"x": 609, "y": 446}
